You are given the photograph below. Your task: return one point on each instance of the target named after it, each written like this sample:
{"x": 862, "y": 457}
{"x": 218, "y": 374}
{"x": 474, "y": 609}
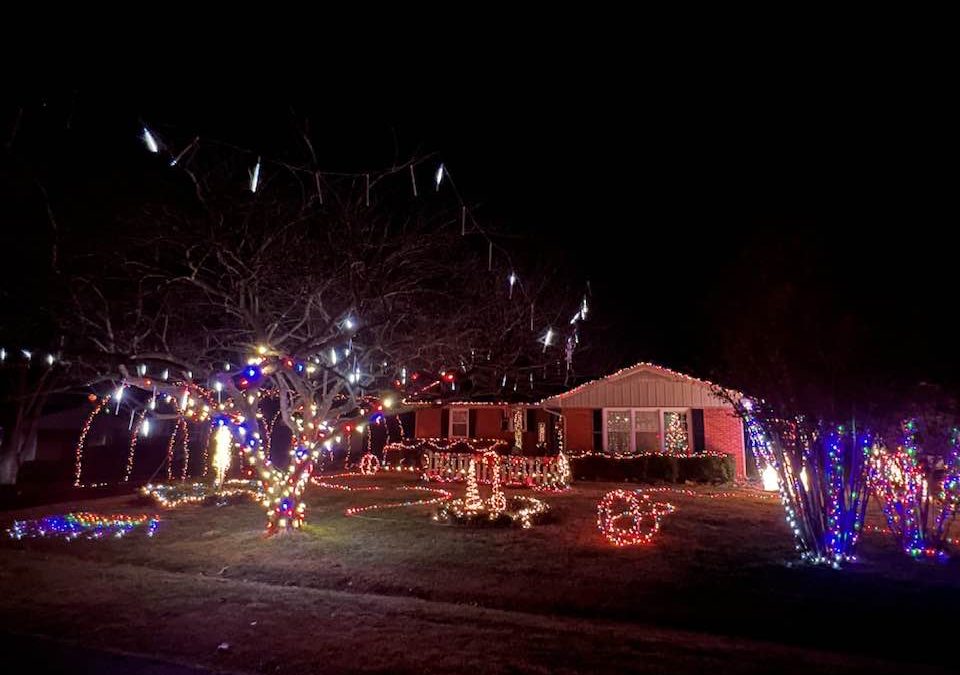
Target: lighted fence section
{"x": 544, "y": 472}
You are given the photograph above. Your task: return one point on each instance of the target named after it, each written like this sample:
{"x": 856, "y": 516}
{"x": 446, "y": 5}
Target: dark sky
{"x": 676, "y": 197}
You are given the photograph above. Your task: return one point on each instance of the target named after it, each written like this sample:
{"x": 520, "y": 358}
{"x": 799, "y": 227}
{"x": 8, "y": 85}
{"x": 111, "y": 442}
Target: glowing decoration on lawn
{"x": 919, "y": 504}
{"x": 369, "y": 464}
{"x": 439, "y": 496}
{"x": 630, "y": 518}
{"x": 472, "y": 501}
{"x": 497, "y": 510}
{"x": 72, "y": 526}
{"x": 498, "y": 502}
{"x": 223, "y": 442}
{"x": 822, "y": 480}
{"x": 771, "y": 483}
{"x": 150, "y": 141}
{"x": 171, "y": 496}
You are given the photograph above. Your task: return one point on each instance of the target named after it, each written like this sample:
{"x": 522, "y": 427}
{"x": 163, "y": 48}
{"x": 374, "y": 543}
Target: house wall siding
{"x": 578, "y": 429}
{"x": 723, "y": 432}
{"x": 428, "y": 423}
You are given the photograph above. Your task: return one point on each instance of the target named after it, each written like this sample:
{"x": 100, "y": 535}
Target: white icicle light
{"x": 50, "y": 359}
{"x": 255, "y": 177}
{"x": 166, "y": 374}
{"x": 221, "y": 453}
{"x": 438, "y": 178}
{"x": 3, "y": 354}
{"x": 118, "y": 394}
{"x": 547, "y": 339}
{"x": 333, "y": 357}
{"x": 27, "y": 354}
{"x": 513, "y": 280}
{"x": 145, "y": 428}
{"x": 142, "y": 369}
{"x": 150, "y": 141}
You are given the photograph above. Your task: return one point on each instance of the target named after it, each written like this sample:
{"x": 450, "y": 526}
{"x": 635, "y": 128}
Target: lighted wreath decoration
{"x": 369, "y": 464}
{"x": 628, "y": 518}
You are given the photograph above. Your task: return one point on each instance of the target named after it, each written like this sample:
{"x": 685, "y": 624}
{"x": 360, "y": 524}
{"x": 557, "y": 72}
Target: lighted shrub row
{"x": 655, "y": 468}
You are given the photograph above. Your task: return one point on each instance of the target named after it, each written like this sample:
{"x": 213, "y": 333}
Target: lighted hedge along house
{"x": 641, "y": 409}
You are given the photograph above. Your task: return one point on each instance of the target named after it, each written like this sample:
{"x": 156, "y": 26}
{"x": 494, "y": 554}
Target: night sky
{"x": 678, "y": 199}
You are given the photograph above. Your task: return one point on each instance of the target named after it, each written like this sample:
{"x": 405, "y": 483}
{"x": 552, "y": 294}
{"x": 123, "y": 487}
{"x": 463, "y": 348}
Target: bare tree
{"x": 329, "y": 290}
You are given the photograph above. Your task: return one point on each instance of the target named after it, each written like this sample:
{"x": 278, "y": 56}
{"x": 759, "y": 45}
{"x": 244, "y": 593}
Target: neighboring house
{"x": 643, "y": 408}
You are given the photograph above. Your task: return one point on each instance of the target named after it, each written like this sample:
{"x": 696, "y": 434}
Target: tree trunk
{"x": 15, "y": 444}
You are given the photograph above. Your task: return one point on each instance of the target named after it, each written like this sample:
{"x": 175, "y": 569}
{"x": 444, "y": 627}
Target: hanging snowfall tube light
{"x": 255, "y": 176}
{"x": 439, "y": 175}
{"x": 150, "y": 141}
{"x": 547, "y": 339}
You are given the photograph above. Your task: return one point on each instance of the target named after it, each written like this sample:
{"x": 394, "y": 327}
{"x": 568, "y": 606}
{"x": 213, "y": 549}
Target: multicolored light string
{"x": 72, "y": 526}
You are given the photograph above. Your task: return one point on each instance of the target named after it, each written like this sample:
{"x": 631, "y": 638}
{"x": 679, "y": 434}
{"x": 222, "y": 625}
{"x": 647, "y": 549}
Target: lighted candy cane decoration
{"x": 498, "y": 502}
{"x": 78, "y": 467}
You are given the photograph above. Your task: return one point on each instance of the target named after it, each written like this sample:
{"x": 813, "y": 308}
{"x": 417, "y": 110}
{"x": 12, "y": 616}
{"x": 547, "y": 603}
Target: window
{"x": 646, "y": 429}
{"x": 618, "y": 431}
{"x": 459, "y": 423}
{"x": 633, "y": 430}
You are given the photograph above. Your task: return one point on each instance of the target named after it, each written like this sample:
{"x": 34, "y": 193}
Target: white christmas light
{"x": 439, "y": 175}
{"x": 333, "y": 357}
{"x": 513, "y": 280}
{"x": 26, "y": 354}
{"x": 3, "y": 354}
{"x": 221, "y": 452}
{"x": 348, "y": 323}
{"x": 50, "y": 359}
{"x": 142, "y": 369}
{"x": 145, "y": 428}
{"x": 166, "y": 374}
{"x": 150, "y": 141}
{"x": 771, "y": 483}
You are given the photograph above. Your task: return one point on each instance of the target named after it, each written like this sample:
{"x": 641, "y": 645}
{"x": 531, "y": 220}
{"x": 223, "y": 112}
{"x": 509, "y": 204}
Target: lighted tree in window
{"x": 676, "y": 440}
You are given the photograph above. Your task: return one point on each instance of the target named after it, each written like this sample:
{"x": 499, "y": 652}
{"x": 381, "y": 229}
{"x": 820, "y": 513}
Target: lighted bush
{"x": 655, "y": 468}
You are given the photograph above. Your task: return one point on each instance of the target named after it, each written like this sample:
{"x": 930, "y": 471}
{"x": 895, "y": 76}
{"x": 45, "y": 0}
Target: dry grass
{"x": 391, "y": 591}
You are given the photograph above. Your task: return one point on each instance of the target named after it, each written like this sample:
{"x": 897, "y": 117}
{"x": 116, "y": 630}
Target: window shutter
{"x": 472, "y": 423}
{"x": 444, "y": 423}
{"x": 598, "y": 430}
{"x": 696, "y": 421}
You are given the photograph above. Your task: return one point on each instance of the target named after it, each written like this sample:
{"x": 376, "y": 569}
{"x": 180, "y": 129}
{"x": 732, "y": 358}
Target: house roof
{"x": 614, "y": 389}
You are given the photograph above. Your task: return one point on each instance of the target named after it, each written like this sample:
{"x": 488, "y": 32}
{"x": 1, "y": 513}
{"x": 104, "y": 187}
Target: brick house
{"x": 643, "y": 408}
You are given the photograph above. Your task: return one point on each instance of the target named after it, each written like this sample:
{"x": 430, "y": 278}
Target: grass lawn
{"x": 392, "y": 591}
